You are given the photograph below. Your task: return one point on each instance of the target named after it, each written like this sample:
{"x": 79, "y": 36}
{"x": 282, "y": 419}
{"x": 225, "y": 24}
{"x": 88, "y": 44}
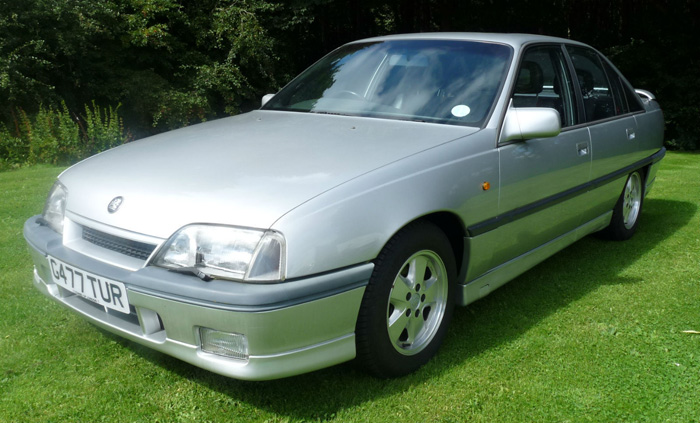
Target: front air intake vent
{"x": 139, "y": 250}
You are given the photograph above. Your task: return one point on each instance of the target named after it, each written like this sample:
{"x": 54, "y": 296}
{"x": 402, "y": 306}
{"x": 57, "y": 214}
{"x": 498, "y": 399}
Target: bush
{"x": 53, "y": 138}
{"x": 13, "y": 150}
{"x": 56, "y": 136}
{"x": 104, "y": 129}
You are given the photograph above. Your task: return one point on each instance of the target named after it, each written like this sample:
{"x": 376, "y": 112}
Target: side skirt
{"x": 498, "y": 276}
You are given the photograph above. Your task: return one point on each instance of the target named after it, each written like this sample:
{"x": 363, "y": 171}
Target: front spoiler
{"x": 293, "y": 336}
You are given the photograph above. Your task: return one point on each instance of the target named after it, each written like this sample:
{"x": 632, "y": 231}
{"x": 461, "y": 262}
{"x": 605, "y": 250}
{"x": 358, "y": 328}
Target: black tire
{"x": 627, "y": 210}
{"x": 401, "y": 325}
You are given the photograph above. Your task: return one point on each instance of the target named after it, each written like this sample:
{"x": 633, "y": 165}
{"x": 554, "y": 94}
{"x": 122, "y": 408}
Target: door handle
{"x": 582, "y": 148}
{"x": 630, "y": 134}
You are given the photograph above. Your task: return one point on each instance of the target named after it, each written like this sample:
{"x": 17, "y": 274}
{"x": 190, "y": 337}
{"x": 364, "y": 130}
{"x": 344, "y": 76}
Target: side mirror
{"x": 266, "y": 98}
{"x": 530, "y": 122}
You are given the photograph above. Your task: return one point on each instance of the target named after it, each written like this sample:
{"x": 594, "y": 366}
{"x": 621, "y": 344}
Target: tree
{"x": 170, "y": 63}
{"x": 174, "y": 62}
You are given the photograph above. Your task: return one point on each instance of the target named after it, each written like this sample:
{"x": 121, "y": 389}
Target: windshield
{"x": 454, "y": 82}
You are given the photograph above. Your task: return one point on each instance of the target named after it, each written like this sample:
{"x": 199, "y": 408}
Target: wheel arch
{"x": 452, "y": 226}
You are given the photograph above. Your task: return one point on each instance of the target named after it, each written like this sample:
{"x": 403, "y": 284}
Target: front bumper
{"x": 291, "y": 328}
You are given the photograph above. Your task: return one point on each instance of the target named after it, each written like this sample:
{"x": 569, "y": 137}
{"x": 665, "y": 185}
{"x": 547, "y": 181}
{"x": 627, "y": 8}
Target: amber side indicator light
{"x": 485, "y": 186}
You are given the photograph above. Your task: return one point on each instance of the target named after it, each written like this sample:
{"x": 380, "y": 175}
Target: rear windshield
{"x": 453, "y": 82}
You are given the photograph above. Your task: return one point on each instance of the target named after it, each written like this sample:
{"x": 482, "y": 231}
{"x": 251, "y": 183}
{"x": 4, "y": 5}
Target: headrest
{"x": 585, "y": 80}
{"x": 530, "y": 79}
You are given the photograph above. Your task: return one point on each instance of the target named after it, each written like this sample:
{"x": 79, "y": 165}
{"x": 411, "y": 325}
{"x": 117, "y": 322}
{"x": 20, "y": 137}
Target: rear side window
{"x": 595, "y": 89}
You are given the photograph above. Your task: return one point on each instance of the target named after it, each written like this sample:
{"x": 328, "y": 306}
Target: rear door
{"x": 612, "y": 125}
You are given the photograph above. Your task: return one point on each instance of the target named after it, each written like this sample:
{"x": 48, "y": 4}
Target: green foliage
{"x": 53, "y": 136}
{"x": 14, "y": 151}
{"x": 43, "y": 143}
{"x": 682, "y": 122}
{"x": 170, "y": 63}
{"x": 103, "y": 129}
{"x": 173, "y": 62}
{"x": 56, "y": 136}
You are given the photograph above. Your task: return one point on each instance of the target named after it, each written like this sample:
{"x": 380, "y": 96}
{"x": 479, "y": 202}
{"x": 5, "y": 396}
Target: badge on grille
{"x": 114, "y": 204}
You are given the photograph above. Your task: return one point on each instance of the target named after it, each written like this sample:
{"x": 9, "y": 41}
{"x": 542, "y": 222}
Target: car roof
{"x": 515, "y": 40}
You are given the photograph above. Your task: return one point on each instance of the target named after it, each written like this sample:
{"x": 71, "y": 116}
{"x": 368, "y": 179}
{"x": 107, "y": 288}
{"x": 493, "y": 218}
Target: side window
{"x": 621, "y": 106}
{"x": 598, "y": 98}
{"x": 632, "y": 98}
{"x": 544, "y": 82}
{"x": 626, "y": 93}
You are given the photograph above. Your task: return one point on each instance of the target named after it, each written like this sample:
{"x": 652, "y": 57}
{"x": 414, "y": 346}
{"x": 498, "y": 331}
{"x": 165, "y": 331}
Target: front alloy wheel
{"x": 417, "y": 302}
{"x": 408, "y": 302}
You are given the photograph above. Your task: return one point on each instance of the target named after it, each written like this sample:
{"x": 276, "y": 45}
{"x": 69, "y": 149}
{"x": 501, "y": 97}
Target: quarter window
{"x": 621, "y": 106}
{"x": 632, "y": 98}
{"x": 628, "y": 98}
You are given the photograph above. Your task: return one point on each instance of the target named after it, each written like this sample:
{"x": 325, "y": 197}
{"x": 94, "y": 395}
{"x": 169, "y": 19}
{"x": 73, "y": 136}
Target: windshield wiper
{"x": 328, "y": 113}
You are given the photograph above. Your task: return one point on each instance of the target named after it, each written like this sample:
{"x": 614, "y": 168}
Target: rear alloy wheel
{"x": 408, "y": 303}
{"x": 632, "y": 201}
{"x": 627, "y": 210}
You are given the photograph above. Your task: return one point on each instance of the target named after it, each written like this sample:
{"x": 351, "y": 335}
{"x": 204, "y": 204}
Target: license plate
{"x": 98, "y": 289}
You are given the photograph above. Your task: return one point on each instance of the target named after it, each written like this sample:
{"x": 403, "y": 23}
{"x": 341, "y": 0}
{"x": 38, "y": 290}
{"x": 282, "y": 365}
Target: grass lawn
{"x": 595, "y": 333}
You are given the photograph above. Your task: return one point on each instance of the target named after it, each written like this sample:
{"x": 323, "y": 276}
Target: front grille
{"x": 139, "y": 250}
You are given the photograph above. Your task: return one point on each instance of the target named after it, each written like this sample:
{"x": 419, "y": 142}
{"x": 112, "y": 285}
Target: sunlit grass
{"x": 596, "y": 333}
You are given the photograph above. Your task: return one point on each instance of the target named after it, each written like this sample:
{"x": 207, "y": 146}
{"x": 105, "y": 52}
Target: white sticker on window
{"x": 461, "y": 110}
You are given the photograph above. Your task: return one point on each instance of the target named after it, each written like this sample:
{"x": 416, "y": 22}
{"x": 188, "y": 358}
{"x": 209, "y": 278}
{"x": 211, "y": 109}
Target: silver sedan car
{"x": 397, "y": 177}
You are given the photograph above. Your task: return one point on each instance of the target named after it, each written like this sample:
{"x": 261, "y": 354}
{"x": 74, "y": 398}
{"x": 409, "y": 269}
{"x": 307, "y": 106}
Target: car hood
{"x": 247, "y": 170}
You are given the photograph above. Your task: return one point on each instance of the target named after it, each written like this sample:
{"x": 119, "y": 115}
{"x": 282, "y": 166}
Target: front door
{"x": 539, "y": 177}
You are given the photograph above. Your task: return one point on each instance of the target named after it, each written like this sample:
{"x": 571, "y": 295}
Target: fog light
{"x": 232, "y": 345}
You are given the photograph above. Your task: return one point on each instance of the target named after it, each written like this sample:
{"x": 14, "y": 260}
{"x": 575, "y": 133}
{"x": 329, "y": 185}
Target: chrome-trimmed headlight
{"x": 55, "y": 207}
{"x": 225, "y": 252}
